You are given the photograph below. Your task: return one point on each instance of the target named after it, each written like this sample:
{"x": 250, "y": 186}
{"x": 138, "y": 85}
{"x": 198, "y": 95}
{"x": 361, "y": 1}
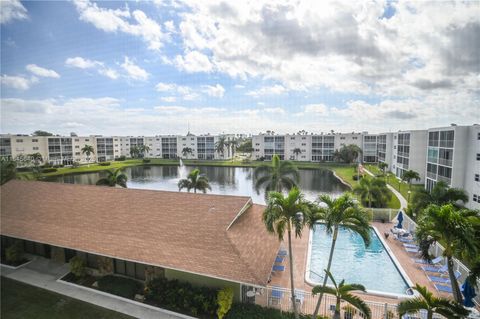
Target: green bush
{"x": 182, "y": 297}
{"x": 121, "y": 158}
{"x": 146, "y": 160}
{"x": 356, "y": 176}
{"x": 14, "y": 253}
{"x": 77, "y": 267}
{"x": 252, "y": 311}
{"x": 224, "y": 300}
{"x": 75, "y": 164}
{"x": 120, "y": 286}
{"x": 104, "y": 164}
{"x": 58, "y": 166}
{"x": 49, "y": 170}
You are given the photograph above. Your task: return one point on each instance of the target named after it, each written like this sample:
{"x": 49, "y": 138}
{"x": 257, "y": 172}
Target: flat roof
{"x": 213, "y": 235}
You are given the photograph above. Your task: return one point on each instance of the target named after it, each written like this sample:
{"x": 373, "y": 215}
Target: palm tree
{"x": 88, "y": 150}
{"x": 373, "y": 190}
{"x": 114, "y": 178}
{"x": 232, "y": 145}
{"x": 194, "y": 181}
{"x": 342, "y": 292}
{"x": 288, "y": 213}
{"x": 408, "y": 176}
{"x": 342, "y": 212}
{"x": 454, "y": 229}
{"x": 439, "y": 195}
{"x": 427, "y": 301}
{"x": 143, "y": 149}
{"x": 8, "y": 170}
{"x": 186, "y": 151}
{"x": 134, "y": 151}
{"x": 297, "y": 151}
{"x": 277, "y": 176}
{"x": 221, "y": 144}
{"x": 383, "y": 166}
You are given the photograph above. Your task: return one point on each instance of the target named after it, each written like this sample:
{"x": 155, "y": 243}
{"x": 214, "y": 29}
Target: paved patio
{"x": 43, "y": 273}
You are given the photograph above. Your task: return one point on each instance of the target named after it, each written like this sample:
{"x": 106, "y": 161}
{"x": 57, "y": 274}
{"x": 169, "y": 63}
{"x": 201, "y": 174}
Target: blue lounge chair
{"x": 443, "y": 288}
{"x": 410, "y": 246}
{"x": 282, "y": 253}
{"x": 278, "y": 268}
{"x": 412, "y": 250}
{"x": 430, "y": 268}
{"x": 279, "y": 259}
{"x": 406, "y": 240}
{"x": 443, "y": 280}
{"x": 434, "y": 261}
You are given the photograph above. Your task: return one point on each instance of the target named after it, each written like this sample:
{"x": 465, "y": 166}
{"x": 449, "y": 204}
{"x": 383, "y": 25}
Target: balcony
{"x": 445, "y": 162}
{"x": 432, "y": 175}
{"x": 447, "y": 180}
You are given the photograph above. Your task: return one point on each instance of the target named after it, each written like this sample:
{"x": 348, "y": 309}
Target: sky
{"x": 163, "y": 67}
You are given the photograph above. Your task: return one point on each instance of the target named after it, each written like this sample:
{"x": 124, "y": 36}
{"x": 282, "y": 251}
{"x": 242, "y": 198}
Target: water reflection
{"x": 223, "y": 180}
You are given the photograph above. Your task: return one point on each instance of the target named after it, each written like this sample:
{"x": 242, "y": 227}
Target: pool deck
{"x": 300, "y": 250}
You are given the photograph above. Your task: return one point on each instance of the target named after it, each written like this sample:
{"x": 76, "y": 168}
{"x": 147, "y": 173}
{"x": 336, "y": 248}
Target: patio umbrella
{"x": 469, "y": 293}
{"x": 400, "y": 219}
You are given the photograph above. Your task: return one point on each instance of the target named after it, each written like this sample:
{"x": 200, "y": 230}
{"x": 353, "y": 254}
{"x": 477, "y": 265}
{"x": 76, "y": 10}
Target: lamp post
{"x": 408, "y": 197}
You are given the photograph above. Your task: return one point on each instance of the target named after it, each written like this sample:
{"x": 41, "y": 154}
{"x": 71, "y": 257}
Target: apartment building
{"x": 453, "y": 156}
{"x": 302, "y": 147}
{"x": 369, "y": 148}
{"x": 385, "y": 149}
{"x": 409, "y": 153}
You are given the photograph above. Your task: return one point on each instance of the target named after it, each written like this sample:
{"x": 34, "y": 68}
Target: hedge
{"x": 120, "y": 286}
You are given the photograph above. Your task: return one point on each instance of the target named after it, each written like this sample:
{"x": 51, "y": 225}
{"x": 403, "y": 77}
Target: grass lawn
{"x": 24, "y": 301}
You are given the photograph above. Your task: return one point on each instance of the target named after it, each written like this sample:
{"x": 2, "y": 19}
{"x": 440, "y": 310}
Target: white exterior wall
{"x": 385, "y": 155}
{"x": 416, "y": 156}
{"x": 344, "y": 139}
{"x": 472, "y": 167}
{"x": 78, "y": 143}
{"x": 25, "y": 145}
{"x": 187, "y": 141}
{"x": 302, "y": 142}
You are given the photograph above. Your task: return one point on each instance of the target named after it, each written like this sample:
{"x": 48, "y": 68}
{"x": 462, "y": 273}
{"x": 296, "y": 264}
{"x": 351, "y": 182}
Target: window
{"x": 77, "y": 140}
{"x": 478, "y": 156}
{"x": 19, "y": 141}
{"x": 35, "y": 148}
{"x": 77, "y": 146}
{"x": 77, "y": 153}
{"x": 476, "y": 198}
{"x": 34, "y": 140}
{"x": 477, "y": 177}
{"x": 86, "y": 140}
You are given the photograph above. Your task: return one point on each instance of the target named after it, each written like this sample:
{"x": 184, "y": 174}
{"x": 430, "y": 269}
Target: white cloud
{"x": 169, "y": 26}
{"x": 165, "y": 87}
{"x": 274, "y": 110}
{"x": 42, "y": 72}
{"x": 168, "y": 98}
{"x": 12, "y": 10}
{"x": 18, "y": 82}
{"x": 267, "y": 90}
{"x": 315, "y": 108}
{"x": 120, "y": 20}
{"x": 187, "y": 93}
{"x": 239, "y": 86}
{"x": 134, "y": 71}
{"x": 215, "y": 90}
{"x": 193, "y": 61}
{"x": 82, "y": 63}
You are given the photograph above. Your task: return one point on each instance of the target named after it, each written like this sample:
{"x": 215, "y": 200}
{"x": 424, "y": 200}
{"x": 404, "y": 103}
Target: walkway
{"x": 403, "y": 201}
{"x": 43, "y": 273}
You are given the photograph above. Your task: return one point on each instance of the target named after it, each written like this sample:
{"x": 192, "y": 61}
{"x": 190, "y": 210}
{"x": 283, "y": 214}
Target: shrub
{"x": 182, "y": 297}
{"x": 120, "y": 286}
{"x": 104, "y": 164}
{"x": 14, "y": 253}
{"x": 75, "y": 164}
{"x": 77, "y": 267}
{"x": 356, "y": 177}
{"x": 47, "y": 165}
{"x": 121, "y": 158}
{"x": 58, "y": 166}
{"x": 49, "y": 170}
{"x": 224, "y": 300}
{"x": 252, "y": 311}
{"x": 146, "y": 160}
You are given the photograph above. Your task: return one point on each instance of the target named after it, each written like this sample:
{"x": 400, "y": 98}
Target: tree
{"x": 287, "y": 213}
{"x": 134, "y": 151}
{"x": 439, "y": 195}
{"x": 383, "y": 167}
{"x": 194, "y": 181}
{"x": 186, "y": 151}
{"x": 143, "y": 149}
{"x": 246, "y": 146}
{"x": 114, "y": 178}
{"x": 410, "y": 175}
{"x": 342, "y": 292}
{"x": 88, "y": 150}
{"x": 41, "y": 133}
{"x": 427, "y": 301}
{"x": 36, "y": 158}
{"x": 221, "y": 144}
{"x": 454, "y": 229}
{"x": 277, "y": 176}
{"x": 373, "y": 190}
{"x": 341, "y": 212}
{"x": 347, "y": 153}
{"x": 8, "y": 170}
{"x": 233, "y": 145}
{"x": 297, "y": 151}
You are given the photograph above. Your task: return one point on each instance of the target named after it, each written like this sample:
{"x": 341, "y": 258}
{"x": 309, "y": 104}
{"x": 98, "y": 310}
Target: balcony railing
{"x": 447, "y": 180}
{"x": 445, "y": 162}
{"x": 432, "y": 175}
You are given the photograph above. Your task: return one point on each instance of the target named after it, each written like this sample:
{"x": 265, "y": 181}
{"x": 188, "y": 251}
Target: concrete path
{"x": 43, "y": 273}
{"x": 403, "y": 201}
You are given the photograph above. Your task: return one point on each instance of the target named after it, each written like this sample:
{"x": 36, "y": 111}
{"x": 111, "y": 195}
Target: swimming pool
{"x": 372, "y": 267}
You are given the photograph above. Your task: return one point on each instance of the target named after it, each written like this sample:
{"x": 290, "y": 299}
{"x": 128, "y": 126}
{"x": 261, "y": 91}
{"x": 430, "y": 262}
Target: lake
{"x": 223, "y": 180}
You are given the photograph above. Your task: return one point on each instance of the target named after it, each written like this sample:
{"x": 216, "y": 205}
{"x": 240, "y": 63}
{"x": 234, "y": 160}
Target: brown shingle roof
{"x": 175, "y": 230}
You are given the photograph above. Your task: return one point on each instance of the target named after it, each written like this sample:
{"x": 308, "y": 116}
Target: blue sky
{"x": 154, "y": 67}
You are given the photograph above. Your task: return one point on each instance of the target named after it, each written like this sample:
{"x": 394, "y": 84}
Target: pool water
{"x": 370, "y": 266}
